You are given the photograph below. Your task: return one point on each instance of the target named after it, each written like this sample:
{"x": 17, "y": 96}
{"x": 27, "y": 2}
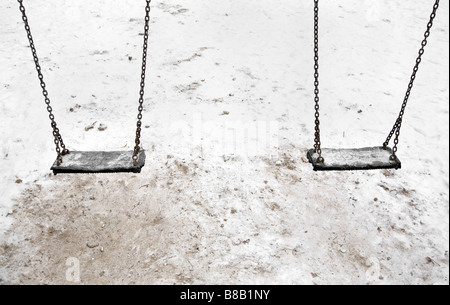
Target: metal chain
{"x": 137, "y": 148}
{"x": 398, "y": 124}
{"x": 56, "y": 134}
{"x": 317, "y": 141}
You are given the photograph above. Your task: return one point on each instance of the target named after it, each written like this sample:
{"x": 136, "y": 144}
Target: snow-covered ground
{"x": 227, "y": 195}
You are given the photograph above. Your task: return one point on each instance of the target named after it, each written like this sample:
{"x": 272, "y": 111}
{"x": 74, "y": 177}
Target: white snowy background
{"x": 207, "y": 207}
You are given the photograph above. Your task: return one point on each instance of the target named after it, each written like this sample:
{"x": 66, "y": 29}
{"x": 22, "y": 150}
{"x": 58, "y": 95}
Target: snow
{"x": 227, "y": 195}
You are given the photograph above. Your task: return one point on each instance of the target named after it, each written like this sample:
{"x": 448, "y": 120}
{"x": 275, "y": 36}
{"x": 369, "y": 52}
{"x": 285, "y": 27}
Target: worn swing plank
{"x": 84, "y": 162}
{"x": 354, "y": 159}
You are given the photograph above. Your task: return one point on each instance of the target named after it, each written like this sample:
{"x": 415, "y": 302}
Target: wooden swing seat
{"x": 91, "y": 162}
{"x": 369, "y": 158}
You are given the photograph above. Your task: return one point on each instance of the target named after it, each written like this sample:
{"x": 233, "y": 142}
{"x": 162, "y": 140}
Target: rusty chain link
{"x": 137, "y": 148}
{"x": 398, "y": 123}
{"x": 59, "y": 143}
{"x": 317, "y": 141}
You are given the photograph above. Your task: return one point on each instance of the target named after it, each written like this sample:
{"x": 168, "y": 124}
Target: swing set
{"x": 379, "y": 157}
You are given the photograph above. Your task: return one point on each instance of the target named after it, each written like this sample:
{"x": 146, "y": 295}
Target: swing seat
{"x": 369, "y": 158}
{"x": 91, "y": 162}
